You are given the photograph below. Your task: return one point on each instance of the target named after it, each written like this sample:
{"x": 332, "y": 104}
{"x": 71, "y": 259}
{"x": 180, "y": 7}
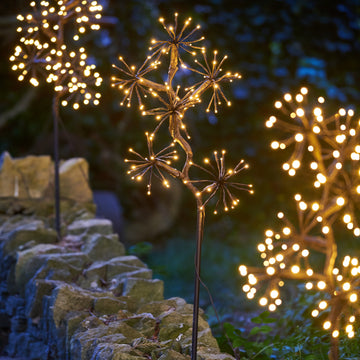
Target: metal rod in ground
{"x": 333, "y": 353}
{"x": 56, "y": 166}
{"x": 199, "y": 238}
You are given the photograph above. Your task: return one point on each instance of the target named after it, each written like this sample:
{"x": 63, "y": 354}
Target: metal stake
{"x": 199, "y": 238}
{"x": 56, "y": 118}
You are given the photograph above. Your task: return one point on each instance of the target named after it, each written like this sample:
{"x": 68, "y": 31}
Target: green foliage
{"x": 141, "y": 249}
{"x": 254, "y": 345}
{"x": 292, "y": 335}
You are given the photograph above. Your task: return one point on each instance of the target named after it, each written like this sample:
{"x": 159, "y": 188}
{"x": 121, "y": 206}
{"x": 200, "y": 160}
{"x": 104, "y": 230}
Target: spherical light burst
{"x": 43, "y": 51}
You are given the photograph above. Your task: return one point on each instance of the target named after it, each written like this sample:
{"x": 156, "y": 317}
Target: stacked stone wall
{"x": 83, "y": 298}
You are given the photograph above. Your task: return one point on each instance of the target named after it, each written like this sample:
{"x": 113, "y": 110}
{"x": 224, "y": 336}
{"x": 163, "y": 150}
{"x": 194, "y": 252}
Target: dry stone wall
{"x": 83, "y": 298}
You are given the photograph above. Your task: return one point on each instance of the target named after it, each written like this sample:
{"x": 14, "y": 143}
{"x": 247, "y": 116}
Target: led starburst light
{"x": 168, "y": 104}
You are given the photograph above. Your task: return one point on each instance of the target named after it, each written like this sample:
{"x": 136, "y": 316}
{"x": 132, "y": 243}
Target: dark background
{"x": 277, "y": 46}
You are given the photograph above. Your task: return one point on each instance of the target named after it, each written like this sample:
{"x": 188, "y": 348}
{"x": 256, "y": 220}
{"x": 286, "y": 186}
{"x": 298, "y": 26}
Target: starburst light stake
{"x": 168, "y": 103}
{"x": 44, "y": 52}
{"x": 330, "y": 148}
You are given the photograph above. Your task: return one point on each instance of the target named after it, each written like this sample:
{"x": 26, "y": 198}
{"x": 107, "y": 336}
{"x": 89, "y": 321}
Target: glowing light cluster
{"x": 308, "y": 128}
{"x": 168, "y": 104}
{"x": 220, "y": 183}
{"x": 333, "y": 147}
{"x": 344, "y": 297}
{"x": 283, "y": 257}
{"x": 132, "y": 79}
{"x": 152, "y": 164}
{"x": 43, "y": 51}
{"x": 182, "y": 39}
{"x": 212, "y": 74}
{"x": 329, "y": 147}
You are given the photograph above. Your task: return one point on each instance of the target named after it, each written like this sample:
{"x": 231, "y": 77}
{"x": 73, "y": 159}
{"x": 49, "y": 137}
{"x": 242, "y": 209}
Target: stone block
{"x": 127, "y": 260}
{"x": 160, "y": 308}
{"x": 90, "y": 226}
{"x": 73, "y": 320}
{"x": 146, "y": 346}
{"x": 66, "y": 298}
{"x": 17, "y": 222}
{"x": 97, "y": 269}
{"x": 103, "y": 247}
{"x": 108, "y": 305}
{"x": 89, "y": 322}
{"x": 35, "y": 292}
{"x": 206, "y": 341}
{"x": 173, "y": 355}
{"x": 209, "y": 355}
{"x": 74, "y": 180}
{"x": 26, "y": 236}
{"x": 77, "y": 260}
{"x": 26, "y": 266}
{"x": 114, "y": 352}
{"x": 146, "y": 323}
{"x": 58, "y": 269}
{"x": 83, "y": 344}
{"x": 58, "y": 266}
{"x": 26, "y": 177}
{"x": 102, "y": 274}
{"x": 173, "y": 330}
{"x": 144, "y": 290}
{"x": 117, "y": 270}
{"x": 138, "y": 273}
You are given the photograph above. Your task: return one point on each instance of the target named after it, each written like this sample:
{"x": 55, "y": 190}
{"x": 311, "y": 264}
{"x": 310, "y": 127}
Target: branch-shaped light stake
{"x": 44, "y": 52}
{"x": 330, "y": 146}
{"x": 171, "y": 103}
